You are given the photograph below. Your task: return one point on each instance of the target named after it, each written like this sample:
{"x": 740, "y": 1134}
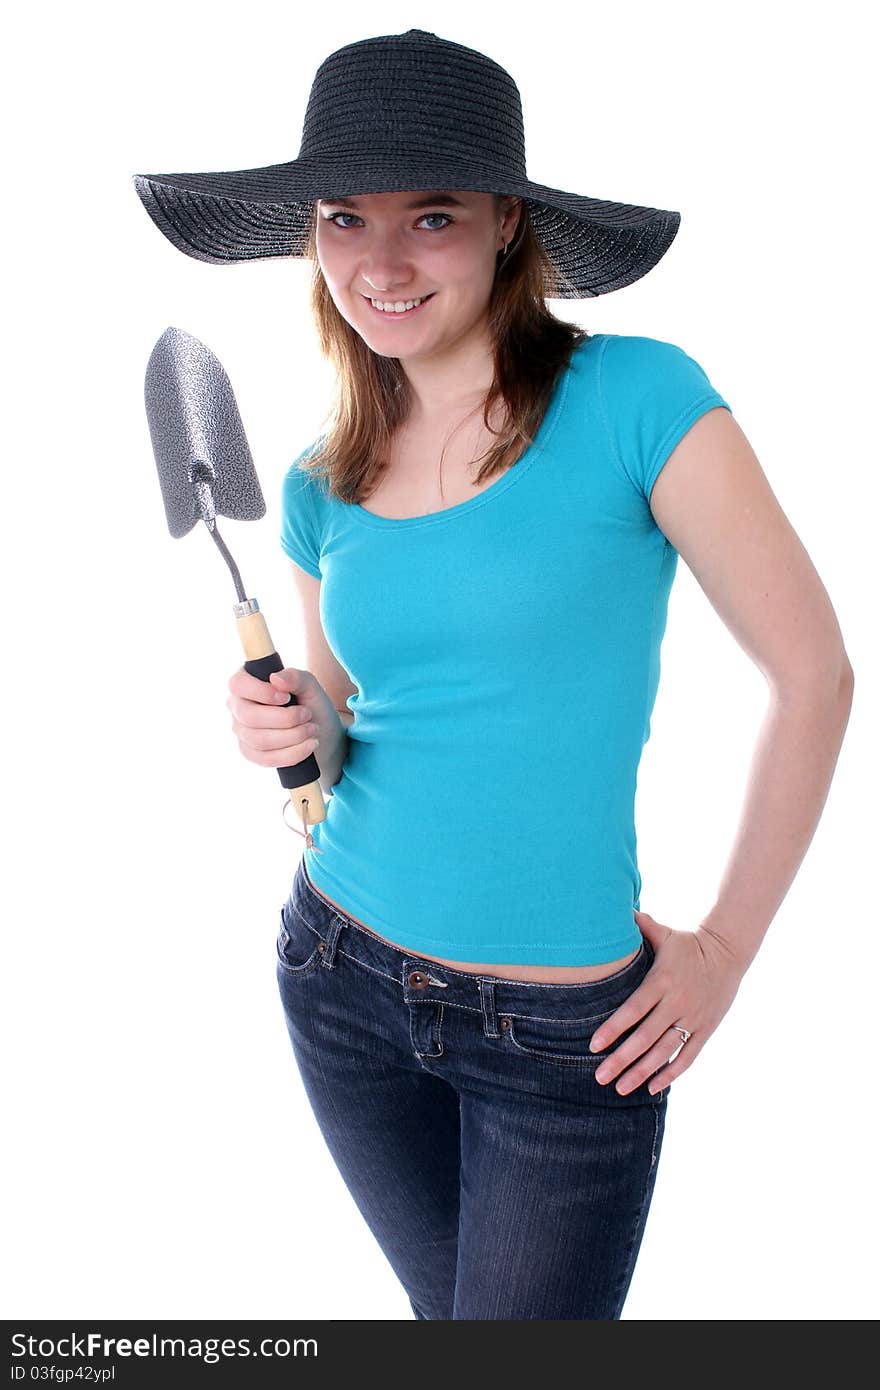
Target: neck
{"x": 449, "y": 383}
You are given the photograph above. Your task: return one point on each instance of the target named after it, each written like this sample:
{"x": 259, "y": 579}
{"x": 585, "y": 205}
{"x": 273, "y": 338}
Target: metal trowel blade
{"x": 201, "y": 451}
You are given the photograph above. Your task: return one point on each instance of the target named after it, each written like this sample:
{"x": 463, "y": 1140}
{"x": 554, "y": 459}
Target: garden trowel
{"x": 205, "y": 470}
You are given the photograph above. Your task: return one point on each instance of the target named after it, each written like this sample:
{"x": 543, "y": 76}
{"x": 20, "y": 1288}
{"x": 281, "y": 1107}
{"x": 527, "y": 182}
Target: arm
{"x": 715, "y": 505}
{"x": 333, "y": 718}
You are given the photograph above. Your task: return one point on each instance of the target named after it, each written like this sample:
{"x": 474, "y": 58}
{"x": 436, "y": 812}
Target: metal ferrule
{"x": 248, "y": 605}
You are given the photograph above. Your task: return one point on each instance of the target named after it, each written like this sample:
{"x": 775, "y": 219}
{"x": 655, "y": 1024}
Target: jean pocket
{"x": 565, "y": 1041}
{"x": 299, "y": 945}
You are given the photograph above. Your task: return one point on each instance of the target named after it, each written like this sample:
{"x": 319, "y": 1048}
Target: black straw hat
{"x": 406, "y": 111}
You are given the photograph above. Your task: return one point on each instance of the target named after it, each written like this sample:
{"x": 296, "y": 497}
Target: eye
{"x": 333, "y": 216}
{"x": 446, "y": 219}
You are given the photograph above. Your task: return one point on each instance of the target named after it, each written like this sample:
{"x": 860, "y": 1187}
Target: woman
{"x": 483, "y": 543}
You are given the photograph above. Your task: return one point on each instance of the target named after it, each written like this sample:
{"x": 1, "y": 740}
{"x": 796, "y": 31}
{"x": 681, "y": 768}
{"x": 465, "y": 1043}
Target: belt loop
{"x": 328, "y": 957}
{"x": 487, "y": 999}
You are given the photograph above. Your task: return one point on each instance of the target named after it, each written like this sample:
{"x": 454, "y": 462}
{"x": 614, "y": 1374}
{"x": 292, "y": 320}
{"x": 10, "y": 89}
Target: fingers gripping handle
{"x": 261, "y": 658}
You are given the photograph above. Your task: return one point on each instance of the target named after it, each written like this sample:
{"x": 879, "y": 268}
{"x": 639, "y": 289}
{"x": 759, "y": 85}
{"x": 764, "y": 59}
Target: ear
{"x": 512, "y": 213}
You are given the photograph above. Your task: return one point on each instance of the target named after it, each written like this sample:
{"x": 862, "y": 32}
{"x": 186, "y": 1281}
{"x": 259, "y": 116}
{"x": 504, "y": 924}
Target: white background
{"x": 161, "y": 1158}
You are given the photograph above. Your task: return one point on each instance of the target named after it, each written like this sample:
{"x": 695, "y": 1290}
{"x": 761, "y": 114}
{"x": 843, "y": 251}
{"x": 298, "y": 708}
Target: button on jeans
{"x": 500, "y": 1179}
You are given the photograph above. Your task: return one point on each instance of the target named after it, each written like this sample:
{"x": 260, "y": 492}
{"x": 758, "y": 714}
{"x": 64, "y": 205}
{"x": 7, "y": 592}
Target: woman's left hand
{"x": 692, "y": 982}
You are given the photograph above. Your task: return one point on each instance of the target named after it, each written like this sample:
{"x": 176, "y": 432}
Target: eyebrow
{"x": 433, "y": 199}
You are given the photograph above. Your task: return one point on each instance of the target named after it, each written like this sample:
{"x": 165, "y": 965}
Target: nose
{"x": 379, "y": 285}
{"x": 385, "y": 269}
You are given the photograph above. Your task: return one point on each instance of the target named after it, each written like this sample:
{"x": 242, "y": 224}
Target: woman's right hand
{"x": 271, "y": 732}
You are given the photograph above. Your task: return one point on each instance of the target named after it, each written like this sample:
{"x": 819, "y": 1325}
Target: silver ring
{"x": 683, "y": 1033}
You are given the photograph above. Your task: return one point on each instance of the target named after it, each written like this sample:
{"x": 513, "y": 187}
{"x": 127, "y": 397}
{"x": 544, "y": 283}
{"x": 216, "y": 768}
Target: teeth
{"x": 398, "y": 307}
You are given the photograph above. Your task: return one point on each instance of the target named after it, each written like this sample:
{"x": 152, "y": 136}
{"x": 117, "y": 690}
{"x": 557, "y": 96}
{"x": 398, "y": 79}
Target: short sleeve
{"x": 300, "y": 530}
{"x": 652, "y": 392}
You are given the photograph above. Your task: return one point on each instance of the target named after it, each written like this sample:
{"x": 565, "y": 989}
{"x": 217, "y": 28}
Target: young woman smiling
{"x": 483, "y": 543}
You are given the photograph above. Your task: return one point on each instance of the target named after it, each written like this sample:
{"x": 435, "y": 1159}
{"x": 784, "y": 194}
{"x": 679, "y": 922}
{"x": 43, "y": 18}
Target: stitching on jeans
{"x": 307, "y": 966}
{"x": 579, "y": 1018}
{"x": 373, "y": 969}
{"x": 306, "y": 921}
{"x": 463, "y": 974}
{"x": 356, "y": 960}
{"x": 656, "y": 1132}
{"x": 626, "y": 1274}
{"x": 566, "y": 1059}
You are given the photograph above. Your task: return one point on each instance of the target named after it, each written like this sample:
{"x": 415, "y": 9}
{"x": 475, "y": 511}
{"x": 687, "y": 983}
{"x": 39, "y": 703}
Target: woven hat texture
{"x": 396, "y": 112}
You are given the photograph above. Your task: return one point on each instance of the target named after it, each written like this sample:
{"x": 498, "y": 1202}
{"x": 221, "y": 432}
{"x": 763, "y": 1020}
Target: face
{"x": 397, "y": 247}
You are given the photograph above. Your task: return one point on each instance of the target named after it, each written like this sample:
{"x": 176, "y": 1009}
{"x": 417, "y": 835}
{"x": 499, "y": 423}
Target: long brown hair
{"x": 373, "y": 394}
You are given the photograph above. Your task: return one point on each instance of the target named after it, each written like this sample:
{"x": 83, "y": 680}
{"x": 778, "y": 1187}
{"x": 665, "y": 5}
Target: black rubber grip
{"x": 300, "y": 774}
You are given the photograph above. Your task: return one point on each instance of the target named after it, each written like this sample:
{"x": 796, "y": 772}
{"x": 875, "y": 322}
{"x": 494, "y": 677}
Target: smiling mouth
{"x": 399, "y": 313}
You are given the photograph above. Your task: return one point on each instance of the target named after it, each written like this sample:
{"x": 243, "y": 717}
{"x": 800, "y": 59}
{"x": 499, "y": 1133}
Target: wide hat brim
{"x": 595, "y": 246}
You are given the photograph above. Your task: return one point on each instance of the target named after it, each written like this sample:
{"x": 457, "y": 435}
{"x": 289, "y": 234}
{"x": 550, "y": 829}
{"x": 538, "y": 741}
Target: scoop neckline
{"x": 507, "y": 479}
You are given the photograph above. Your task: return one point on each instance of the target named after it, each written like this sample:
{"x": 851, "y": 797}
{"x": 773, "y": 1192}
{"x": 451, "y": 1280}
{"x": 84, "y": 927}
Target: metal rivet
{"x": 320, "y": 948}
{"x": 505, "y": 1022}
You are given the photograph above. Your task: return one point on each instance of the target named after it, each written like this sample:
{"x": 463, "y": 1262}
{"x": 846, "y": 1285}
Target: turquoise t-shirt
{"x": 506, "y": 653}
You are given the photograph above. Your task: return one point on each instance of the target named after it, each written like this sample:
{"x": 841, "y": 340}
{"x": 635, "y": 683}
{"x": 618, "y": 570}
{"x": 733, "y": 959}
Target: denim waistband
{"x": 426, "y": 979}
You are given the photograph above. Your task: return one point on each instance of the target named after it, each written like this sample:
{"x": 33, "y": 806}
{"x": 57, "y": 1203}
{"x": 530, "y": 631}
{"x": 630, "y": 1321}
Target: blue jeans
{"x": 500, "y": 1179}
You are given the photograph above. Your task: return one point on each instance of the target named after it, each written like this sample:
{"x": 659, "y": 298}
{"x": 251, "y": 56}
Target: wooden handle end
{"x": 314, "y": 811}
